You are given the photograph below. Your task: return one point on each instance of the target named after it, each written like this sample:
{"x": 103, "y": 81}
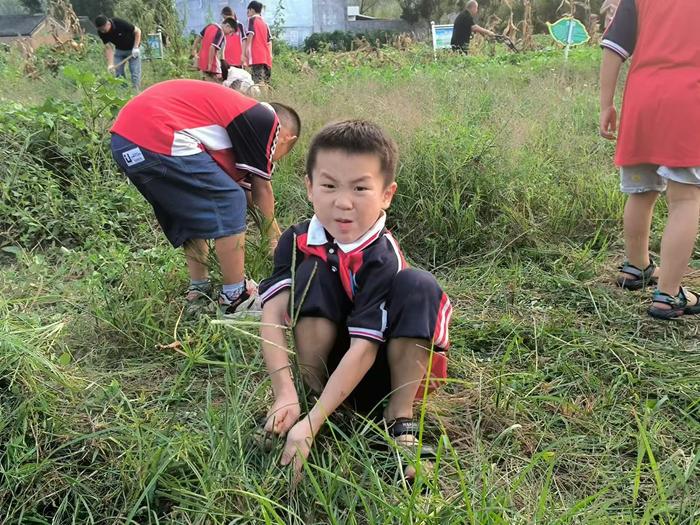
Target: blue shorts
{"x": 192, "y": 197}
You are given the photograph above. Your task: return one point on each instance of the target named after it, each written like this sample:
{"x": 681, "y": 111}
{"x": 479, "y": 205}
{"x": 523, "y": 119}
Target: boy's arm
{"x": 248, "y": 44}
{"x": 264, "y": 200}
{"x": 609, "y": 73}
{"x": 253, "y": 137}
{"x": 366, "y": 326}
{"x": 195, "y": 45}
{"x": 274, "y": 294}
{"x": 618, "y": 44}
{"x": 244, "y": 45}
{"x": 248, "y": 47}
{"x": 285, "y": 410}
{"x": 350, "y": 371}
{"x": 211, "y": 60}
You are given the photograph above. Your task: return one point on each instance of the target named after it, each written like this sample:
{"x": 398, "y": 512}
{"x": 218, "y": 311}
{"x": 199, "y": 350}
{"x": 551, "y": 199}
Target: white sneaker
{"x": 246, "y": 305}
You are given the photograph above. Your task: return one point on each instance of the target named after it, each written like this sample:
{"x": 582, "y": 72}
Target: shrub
{"x": 343, "y": 40}
{"x": 58, "y": 163}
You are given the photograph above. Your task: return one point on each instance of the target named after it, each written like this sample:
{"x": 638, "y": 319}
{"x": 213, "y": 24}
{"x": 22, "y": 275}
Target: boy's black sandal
{"x": 636, "y": 278}
{"x": 679, "y": 305}
{"x": 404, "y": 426}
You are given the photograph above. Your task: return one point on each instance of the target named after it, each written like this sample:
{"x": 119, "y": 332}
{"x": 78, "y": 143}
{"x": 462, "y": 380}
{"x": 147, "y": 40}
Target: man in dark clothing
{"x": 126, "y": 39}
{"x": 465, "y": 26}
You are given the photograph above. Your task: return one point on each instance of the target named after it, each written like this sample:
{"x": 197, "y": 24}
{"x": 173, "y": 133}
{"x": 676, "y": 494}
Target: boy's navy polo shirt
{"x": 366, "y": 269}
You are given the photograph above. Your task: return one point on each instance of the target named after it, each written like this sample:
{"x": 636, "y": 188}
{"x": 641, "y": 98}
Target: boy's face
{"x": 227, "y": 29}
{"x": 251, "y": 12}
{"x": 348, "y": 193}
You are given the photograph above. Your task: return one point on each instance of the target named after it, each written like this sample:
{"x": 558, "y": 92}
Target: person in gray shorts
{"x": 658, "y": 147}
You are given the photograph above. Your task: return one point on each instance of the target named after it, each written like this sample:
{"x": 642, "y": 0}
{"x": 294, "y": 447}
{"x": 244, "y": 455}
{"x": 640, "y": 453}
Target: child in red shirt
{"x": 659, "y": 138}
{"x": 258, "y": 50}
{"x": 235, "y": 39}
{"x": 211, "y": 39}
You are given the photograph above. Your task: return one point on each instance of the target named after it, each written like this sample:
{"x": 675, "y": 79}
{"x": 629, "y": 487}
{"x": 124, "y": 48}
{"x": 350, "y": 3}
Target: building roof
{"x": 19, "y": 25}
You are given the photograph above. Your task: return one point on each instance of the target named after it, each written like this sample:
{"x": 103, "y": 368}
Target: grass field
{"x": 566, "y": 403}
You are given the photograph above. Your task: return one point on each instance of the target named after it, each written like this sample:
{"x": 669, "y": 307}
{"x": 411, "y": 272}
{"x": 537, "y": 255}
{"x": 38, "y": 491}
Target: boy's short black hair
{"x": 255, "y": 6}
{"x": 358, "y": 137}
{"x": 230, "y": 21}
{"x": 227, "y": 11}
{"x": 101, "y": 20}
{"x": 288, "y": 116}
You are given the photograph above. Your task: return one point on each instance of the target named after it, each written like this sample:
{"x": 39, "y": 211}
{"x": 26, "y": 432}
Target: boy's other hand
{"x": 608, "y": 122}
{"x": 282, "y": 415}
{"x": 298, "y": 445}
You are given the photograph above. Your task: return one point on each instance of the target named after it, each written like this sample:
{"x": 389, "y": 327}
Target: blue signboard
{"x": 153, "y": 46}
{"x": 442, "y": 35}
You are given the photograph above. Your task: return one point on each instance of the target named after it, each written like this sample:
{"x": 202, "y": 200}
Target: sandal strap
{"x": 684, "y": 292}
{"x": 402, "y": 426}
{"x": 679, "y": 301}
{"x": 205, "y": 289}
{"x": 631, "y": 269}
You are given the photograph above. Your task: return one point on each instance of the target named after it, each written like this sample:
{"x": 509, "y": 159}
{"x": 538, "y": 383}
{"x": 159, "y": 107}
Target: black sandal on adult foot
{"x": 678, "y": 305}
{"x": 634, "y": 278}
{"x": 403, "y": 427}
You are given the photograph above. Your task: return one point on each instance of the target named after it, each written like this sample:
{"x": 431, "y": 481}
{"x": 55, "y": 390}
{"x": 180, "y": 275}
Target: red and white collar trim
{"x": 316, "y": 235}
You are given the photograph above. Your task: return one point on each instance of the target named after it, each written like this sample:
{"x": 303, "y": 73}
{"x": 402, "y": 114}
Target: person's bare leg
{"x": 639, "y": 210}
{"x": 231, "y": 254}
{"x": 314, "y": 338}
{"x": 679, "y": 237}
{"x": 408, "y": 361}
{"x": 197, "y": 255}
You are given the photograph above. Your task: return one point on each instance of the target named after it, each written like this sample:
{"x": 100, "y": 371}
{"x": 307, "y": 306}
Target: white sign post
{"x": 442, "y": 37}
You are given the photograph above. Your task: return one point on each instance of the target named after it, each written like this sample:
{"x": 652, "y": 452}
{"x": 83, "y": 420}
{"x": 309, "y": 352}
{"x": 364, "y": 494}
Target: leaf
{"x": 14, "y": 250}
{"x": 64, "y": 359}
{"x": 72, "y": 73}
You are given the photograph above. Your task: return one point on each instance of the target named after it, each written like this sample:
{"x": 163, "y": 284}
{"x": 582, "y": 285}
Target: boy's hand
{"x": 298, "y": 445}
{"x": 282, "y": 415}
{"x": 608, "y": 122}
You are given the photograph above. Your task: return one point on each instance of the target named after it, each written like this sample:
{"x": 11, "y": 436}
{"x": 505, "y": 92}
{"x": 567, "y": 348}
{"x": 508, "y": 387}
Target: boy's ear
{"x": 389, "y": 192}
{"x": 309, "y": 185}
{"x": 287, "y": 138}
